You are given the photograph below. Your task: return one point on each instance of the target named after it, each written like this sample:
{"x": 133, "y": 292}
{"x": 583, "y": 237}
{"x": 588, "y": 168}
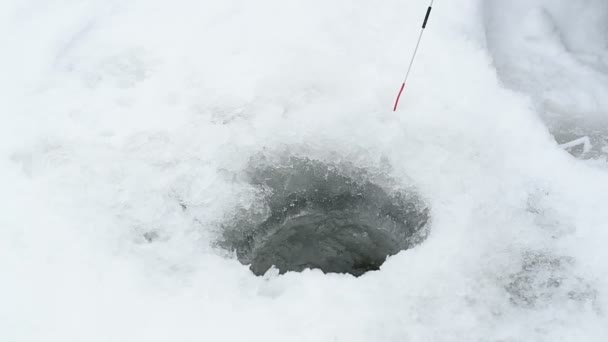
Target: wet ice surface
{"x": 319, "y": 217}
{"x": 545, "y": 279}
{"x": 128, "y": 130}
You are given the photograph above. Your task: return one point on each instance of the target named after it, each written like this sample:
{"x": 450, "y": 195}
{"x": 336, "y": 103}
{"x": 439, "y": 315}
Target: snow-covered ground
{"x": 557, "y": 53}
{"x": 115, "y": 116}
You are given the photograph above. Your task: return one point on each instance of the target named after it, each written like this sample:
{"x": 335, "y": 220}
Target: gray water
{"x": 323, "y": 216}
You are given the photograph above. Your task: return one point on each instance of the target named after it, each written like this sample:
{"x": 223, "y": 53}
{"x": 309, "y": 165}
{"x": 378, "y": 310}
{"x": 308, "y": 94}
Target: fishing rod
{"x": 407, "y": 74}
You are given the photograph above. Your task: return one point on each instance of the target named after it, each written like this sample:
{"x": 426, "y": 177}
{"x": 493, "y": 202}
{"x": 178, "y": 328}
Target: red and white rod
{"x": 409, "y": 68}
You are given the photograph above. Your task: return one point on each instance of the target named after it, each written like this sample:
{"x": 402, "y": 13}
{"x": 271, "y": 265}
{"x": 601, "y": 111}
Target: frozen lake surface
{"x": 128, "y": 130}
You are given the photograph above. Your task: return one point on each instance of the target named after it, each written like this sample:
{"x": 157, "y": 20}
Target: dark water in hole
{"x": 318, "y": 217}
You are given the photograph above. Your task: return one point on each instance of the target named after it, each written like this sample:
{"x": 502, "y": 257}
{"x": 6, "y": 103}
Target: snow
{"x": 565, "y": 68}
{"x": 116, "y": 113}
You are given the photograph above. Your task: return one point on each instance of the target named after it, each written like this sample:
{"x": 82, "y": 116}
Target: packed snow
{"x": 127, "y": 128}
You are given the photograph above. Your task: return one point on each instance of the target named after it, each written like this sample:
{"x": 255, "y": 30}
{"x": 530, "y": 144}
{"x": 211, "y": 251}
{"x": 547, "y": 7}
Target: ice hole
{"x": 318, "y": 217}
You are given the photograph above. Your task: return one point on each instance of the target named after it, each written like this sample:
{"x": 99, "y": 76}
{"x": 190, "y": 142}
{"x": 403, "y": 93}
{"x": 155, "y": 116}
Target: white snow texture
{"x": 115, "y": 115}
